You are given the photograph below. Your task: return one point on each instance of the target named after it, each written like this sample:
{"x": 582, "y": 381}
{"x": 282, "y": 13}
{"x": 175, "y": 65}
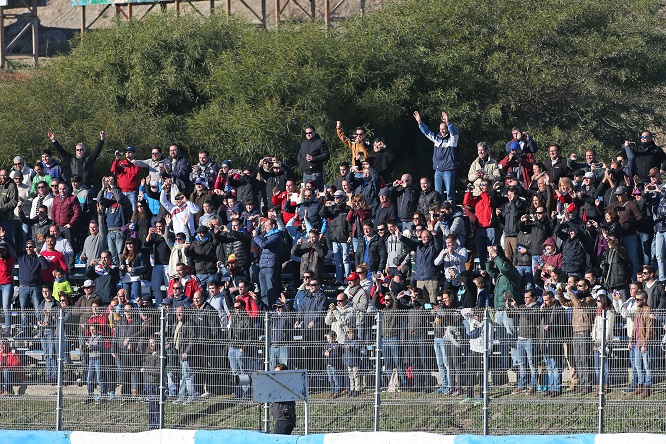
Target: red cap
{"x": 353, "y": 276}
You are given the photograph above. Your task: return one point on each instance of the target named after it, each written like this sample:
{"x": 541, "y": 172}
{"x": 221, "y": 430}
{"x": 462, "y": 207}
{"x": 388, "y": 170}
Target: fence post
{"x": 267, "y": 363}
{"x": 378, "y": 370}
{"x": 486, "y": 368}
{"x": 61, "y": 364}
{"x": 602, "y": 370}
{"x": 163, "y": 333}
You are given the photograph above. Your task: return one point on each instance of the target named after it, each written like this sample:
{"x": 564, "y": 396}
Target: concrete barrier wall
{"x": 245, "y": 437}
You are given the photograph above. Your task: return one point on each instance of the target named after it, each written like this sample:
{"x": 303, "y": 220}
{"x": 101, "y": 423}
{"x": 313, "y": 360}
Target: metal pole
{"x": 602, "y": 371}
{"x": 163, "y": 329}
{"x": 267, "y": 363}
{"x": 378, "y": 370}
{"x": 61, "y": 364}
{"x": 486, "y": 368}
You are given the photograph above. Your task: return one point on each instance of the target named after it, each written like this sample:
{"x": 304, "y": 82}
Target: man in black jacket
{"x": 81, "y": 162}
{"x": 406, "y": 196}
{"x": 340, "y": 234}
{"x": 311, "y": 157}
{"x": 371, "y": 248}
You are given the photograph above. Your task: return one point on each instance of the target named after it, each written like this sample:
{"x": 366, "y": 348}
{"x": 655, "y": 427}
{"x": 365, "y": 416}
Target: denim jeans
{"x": 157, "y": 279}
{"x": 630, "y": 242}
{"x": 95, "y": 368}
{"x": 333, "y": 381}
{"x": 526, "y": 273}
{"x": 204, "y": 279}
{"x": 442, "y": 363}
{"x": 33, "y": 293}
{"x": 485, "y": 237}
{"x": 268, "y": 285}
{"x": 317, "y": 178}
{"x": 116, "y": 242}
{"x": 48, "y": 347}
{"x": 392, "y": 358}
{"x": 279, "y": 355}
{"x": 506, "y": 334}
{"x": 525, "y": 353}
{"x": 236, "y": 361}
{"x": 643, "y": 365}
{"x": 133, "y": 289}
{"x": 342, "y": 260}
{"x": 660, "y": 253}
{"x": 553, "y": 368}
{"x": 445, "y": 180}
{"x": 7, "y": 291}
{"x": 133, "y": 197}
{"x": 186, "y": 388}
{"x": 645, "y": 244}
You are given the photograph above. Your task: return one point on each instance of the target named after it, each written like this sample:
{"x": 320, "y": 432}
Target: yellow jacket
{"x": 355, "y": 147}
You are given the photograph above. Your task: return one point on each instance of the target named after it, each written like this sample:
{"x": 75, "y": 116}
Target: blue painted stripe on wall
{"x": 33, "y": 437}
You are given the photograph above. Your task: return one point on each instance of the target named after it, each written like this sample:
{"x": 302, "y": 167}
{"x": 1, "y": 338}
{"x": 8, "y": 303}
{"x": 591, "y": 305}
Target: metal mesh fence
{"x": 447, "y": 370}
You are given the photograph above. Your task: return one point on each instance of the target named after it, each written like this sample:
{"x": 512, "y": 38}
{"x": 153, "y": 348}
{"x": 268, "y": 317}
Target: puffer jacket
{"x": 237, "y": 243}
{"x": 392, "y": 319}
{"x": 424, "y": 257}
{"x": 338, "y": 226}
{"x": 270, "y": 245}
{"x": 202, "y": 254}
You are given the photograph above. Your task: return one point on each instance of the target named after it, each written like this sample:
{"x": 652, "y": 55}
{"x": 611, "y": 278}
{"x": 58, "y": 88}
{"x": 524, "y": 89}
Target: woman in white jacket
{"x": 603, "y": 306}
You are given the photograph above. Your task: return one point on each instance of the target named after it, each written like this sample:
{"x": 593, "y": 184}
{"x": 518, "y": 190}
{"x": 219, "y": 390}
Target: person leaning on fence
{"x": 475, "y": 328}
{"x": 332, "y": 353}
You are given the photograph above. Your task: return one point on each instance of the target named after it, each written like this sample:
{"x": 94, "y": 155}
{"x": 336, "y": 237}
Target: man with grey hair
{"x": 483, "y": 167}
{"x": 81, "y": 162}
{"x": 19, "y": 166}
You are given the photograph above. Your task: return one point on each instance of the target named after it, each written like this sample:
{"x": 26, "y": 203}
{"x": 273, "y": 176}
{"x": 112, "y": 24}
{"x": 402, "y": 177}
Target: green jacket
{"x": 506, "y": 278}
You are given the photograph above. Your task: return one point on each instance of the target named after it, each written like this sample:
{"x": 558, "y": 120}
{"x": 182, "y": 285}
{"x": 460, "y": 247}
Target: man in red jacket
{"x": 483, "y": 209}
{"x": 127, "y": 174}
{"x": 65, "y": 211}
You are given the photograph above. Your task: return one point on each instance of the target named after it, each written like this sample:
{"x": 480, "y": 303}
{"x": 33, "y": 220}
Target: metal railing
{"x": 441, "y": 370}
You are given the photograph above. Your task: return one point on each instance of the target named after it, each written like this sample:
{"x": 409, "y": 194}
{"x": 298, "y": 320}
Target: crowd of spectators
{"x": 547, "y": 247}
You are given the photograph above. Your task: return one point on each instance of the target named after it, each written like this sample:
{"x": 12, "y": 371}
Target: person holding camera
{"x": 128, "y": 174}
{"x": 519, "y": 163}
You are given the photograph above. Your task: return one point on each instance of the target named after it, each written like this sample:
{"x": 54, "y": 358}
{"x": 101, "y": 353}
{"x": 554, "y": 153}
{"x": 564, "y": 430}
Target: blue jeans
{"x": 333, "y": 381}
{"x": 133, "y": 197}
{"x": 524, "y": 351}
{"x": 157, "y": 279}
{"x": 660, "y": 253}
{"x": 186, "y": 388}
{"x": 116, "y": 241}
{"x": 236, "y": 361}
{"x": 48, "y": 347}
{"x": 506, "y": 334}
{"x": 279, "y": 355}
{"x": 442, "y": 363}
{"x": 268, "y": 285}
{"x": 643, "y": 365}
{"x": 95, "y": 368}
{"x": 134, "y": 289}
{"x": 26, "y": 292}
{"x": 630, "y": 242}
{"x": 485, "y": 237}
{"x": 205, "y": 278}
{"x": 7, "y": 291}
{"x": 445, "y": 180}
{"x": 553, "y": 367}
{"x": 390, "y": 352}
{"x": 317, "y": 178}
{"x": 645, "y": 246}
{"x": 342, "y": 260}
{"x": 526, "y": 273}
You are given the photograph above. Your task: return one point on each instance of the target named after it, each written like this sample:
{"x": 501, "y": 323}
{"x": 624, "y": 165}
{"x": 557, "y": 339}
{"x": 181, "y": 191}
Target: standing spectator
{"x": 95, "y": 243}
{"x": 178, "y": 167}
{"x": 271, "y": 242}
{"x": 483, "y": 167}
{"x": 351, "y": 358}
{"x": 428, "y": 197}
{"x": 371, "y": 249}
{"x": 202, "y": 254}
{"x": 644, "y": 156}
{"x": 552, "y": 329}
{"x": 518, "y": 163}
{"x": 132, "y": 266}
{"x": 128, "y": 173}
{"x": 340, "y": 234}
{"x": 95, "y": 347}
{"x": 274, "y": 175}
{"x": 284, "y": 413}
{"x": 528, "y": 334}
{"x": 116, "y": 209}
{"x": 52, "y": 167}
{"x": 359, "y": 213}
{"x": 29, "y": 276}
{"x": 56, "y": 259}
{"x": 81, "y": 163}
{"x": 340, "y": 317}
{"x": 381, "y": 159}
{"x": 523, "y": 139}
{"x": 181, "y": 214}
{"x": 8, "y": 202}
{"x": 444, "y": 155}
{"x": 509, "y": 215}
{"x": 21, "y": 231}
{"x": 39, "y": 176}
{"x": 451, "y": 256}
{"x": 106, "y": 277}
{"x": 425, "y": 261}
{"x": 391, "y": 329}
{"x": 386, "y": 209}
{"x": 65, "y": 211}
{"x": 629, "y": 215}
{"x": 311, "y": 157}
{"x": 153, "y": 165}
{"x": 40, "y": 224}
{"x": 603, "y": 307}
{"x": 556, "y": 166}
{"x": 406, "y": 196}
{"x": 367, "y": 185}
{"x": 641, "y": 343}
{"x": 205, "y": 169}
{"x": 360, "y": 147}
{"x": 311, "y": 251}
{"x": 43, "y": 197}
{"x": 7, "y": 261}
{"x": 159, "y": 244}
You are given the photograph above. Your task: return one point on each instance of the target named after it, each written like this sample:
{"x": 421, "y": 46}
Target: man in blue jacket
{"x": 444, "y": 155}
{"x": 270, "y": 263}
{"x": 426, "y": 272}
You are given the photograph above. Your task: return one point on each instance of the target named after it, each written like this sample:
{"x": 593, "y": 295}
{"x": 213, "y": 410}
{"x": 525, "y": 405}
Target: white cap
{"x": 88, "y": 283}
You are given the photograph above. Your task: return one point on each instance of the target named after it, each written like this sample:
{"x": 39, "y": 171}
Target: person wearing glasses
{"x": 359, "y": 146}
{"x": 30, "y": 265}
{"x": 311, "y": 157}
{"x": 644, "y": 155}
{"x": 181, "y": 214}
{"x": 81, "y": 162}
{"x": 205, "y": 169}
{"x": 19, "y": 166}
{"x": 153, "y": 165}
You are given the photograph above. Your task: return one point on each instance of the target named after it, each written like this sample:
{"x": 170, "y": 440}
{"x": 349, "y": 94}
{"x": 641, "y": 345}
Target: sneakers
{"x": 112, "y": 396}
{"x": 518, "y": 391}
{"x": 87, "y": 401}
{"x": 205, "y": 395}
{"x": 187, "y": 402}
{"x": 440, "y": 390}
{"x": 178, "y": 401}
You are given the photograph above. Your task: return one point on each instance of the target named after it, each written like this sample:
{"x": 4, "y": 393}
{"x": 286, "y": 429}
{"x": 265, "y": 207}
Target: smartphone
{"x": 427, "y": 306}
{"x": 600, "y": 198}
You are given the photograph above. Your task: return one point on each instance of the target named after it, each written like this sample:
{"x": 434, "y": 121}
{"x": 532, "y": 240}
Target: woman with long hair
{"x": 142, "y": 220}
{"x": 132, "y": 265}
{"x": 603, "y": 306}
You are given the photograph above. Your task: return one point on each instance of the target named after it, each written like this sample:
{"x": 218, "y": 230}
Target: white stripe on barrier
{"x": 623, "y": 438}
{"x": 388, "y": 438}
{"x": 165, "y": 436}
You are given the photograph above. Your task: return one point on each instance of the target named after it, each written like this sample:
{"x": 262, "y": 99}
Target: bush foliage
{"x": 584, "y": 74}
